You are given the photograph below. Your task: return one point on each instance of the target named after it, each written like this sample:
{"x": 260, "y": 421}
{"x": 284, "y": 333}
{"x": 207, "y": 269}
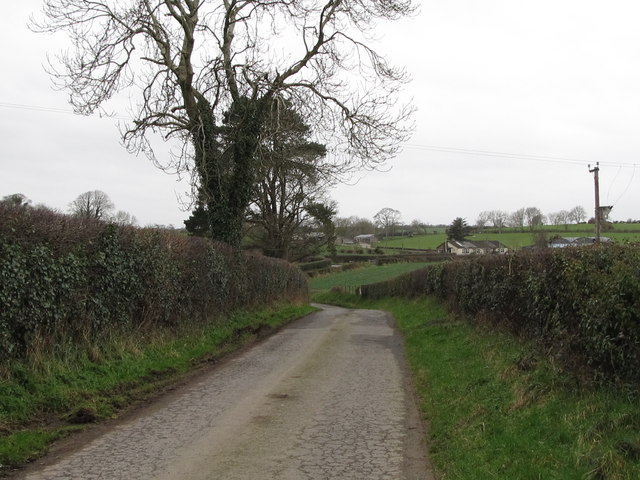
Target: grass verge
{"x": 362, "y": 276}
{"x": 44, "y": 402}
{"x": 498, "y": 409}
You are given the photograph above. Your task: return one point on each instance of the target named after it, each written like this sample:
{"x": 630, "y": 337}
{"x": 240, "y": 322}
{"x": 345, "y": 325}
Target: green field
{"x": 429, "y": 242}
{"x": 516, "y": 238}
{"x": 362, "y": 276}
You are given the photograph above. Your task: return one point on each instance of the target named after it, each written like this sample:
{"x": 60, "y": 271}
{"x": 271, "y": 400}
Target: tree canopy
{"x": 458, "y": 230}
{"x": 387, "y": 219}
{"x": 92, "y": 204}
{"x": 210, "y": 74}
{"x": 16, "y": 199}
{"x": 292, "y": 178}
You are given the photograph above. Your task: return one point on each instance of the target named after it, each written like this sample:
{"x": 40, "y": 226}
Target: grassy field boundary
{"x": 39, "y": 405}
{"x": 351, "y": 279}
{"x": 499, "y": 409}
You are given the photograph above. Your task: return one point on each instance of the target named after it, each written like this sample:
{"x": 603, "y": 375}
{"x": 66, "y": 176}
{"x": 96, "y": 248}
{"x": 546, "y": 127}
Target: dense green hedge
{"x": 315, "y": 265}
{"x": 583, "y": 301}
{"x": 63, "y": 279}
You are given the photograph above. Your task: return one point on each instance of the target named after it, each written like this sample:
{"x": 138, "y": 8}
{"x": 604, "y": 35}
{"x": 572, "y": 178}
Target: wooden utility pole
{"x": 595, "y": 171}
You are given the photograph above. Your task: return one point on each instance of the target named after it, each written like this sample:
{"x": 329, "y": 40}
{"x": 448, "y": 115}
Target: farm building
{"x": 562, "y": 242}
{"x": 345, "y": 241}
{"x": 478, "y": 247}
{"x": 368, "y": 239}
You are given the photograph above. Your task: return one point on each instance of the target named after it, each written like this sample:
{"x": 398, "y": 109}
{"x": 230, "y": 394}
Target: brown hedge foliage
{"x": 64, "y": 279}
{"x": 585, "y": 302}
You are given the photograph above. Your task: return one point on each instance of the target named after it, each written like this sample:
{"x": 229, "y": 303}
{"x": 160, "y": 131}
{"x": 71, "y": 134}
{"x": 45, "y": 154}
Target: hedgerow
{"x": 69, "y": 280}
{"x": 583, "y": 302}
{"x": 315, "y": 265}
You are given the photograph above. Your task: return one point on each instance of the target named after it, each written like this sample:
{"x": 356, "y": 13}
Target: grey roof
{"x": 484, "y": 244}
{"x": 365, "y": 235}
{"x": 576, "y": 241}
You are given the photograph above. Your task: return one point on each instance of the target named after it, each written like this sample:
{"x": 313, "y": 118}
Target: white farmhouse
{"x": 478, "y": 247}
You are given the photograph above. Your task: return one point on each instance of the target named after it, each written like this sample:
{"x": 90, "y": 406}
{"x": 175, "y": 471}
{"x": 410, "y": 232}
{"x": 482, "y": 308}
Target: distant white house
{"x": 478, "y": 247}
{"x": 563, "y": 242}
{"x": 367, "y": 239}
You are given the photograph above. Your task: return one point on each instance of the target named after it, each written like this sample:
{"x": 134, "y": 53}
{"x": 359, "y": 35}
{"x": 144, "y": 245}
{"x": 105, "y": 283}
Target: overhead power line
{"x": 432, "y": 148}
{"x": 517, "y": 156}
{"x": 36, "y": 108}
{"x": 67, "y": 111}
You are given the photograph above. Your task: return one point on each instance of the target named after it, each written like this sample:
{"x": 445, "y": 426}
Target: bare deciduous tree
{"x": 352, "y": 226}
{"x": 516, "y": 219}
{"x": 563, "y": 217}
{"x": 94, "y": 204}
{"x": 483, "y": 218}
{"x": 533, "y": 217}
{"x": 578, "y": 214}
{"x": 387, "y": 219}
{"x": 554, "y": 218}
{"x": 419, "y": 226}
{"x": 208, "y": 73}
{"x": 124, "y": 218}
{"x": 498, "y": 219}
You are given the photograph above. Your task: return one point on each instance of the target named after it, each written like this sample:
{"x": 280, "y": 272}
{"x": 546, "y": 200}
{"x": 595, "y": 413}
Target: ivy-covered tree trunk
{"x": 225, "y": 159}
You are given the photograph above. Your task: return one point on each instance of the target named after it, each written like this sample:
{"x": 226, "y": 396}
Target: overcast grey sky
{"x": 554, "y": 84}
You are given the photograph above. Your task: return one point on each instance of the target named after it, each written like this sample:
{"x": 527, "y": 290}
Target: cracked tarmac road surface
{"x": 327, "y": 397}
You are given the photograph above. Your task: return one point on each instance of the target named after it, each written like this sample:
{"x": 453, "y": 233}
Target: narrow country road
{"x": 325, "y": 398}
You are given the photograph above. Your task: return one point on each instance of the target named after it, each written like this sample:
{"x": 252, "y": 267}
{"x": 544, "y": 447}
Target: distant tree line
{"x": 93, "y": 205}
{"x": 529, "y": 217}
{"x": 386, "y": 222}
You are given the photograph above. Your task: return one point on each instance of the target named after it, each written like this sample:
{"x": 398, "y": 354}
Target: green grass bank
{"x": 499, "y": 409}
{"x": 42, "y": 402}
